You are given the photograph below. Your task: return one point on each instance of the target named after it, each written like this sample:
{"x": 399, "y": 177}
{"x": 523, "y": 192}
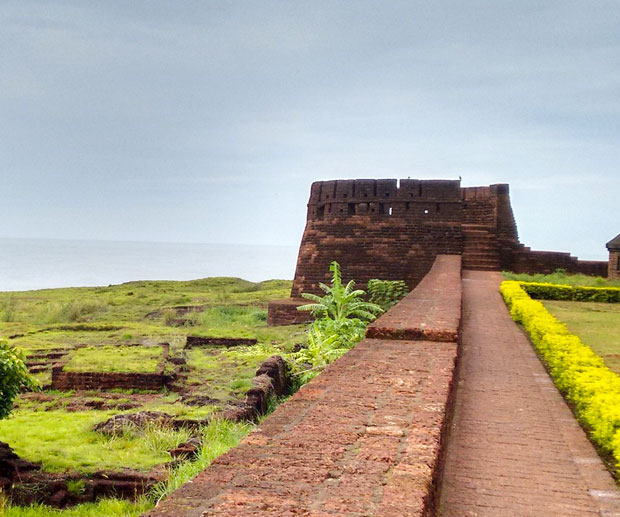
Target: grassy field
{"x": 117, "y": 329}
{"x": 563, "y": 279}
{"x": 597, "y": 324}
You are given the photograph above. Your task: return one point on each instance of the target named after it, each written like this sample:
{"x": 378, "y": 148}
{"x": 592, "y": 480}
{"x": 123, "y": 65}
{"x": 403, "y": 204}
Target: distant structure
{"x": 614, "y": 257}
{"x": 393, "y": 229}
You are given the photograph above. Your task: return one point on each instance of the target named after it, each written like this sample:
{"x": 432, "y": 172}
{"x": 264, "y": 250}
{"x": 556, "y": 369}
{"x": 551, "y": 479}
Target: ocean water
{"x": 27, "y": 264}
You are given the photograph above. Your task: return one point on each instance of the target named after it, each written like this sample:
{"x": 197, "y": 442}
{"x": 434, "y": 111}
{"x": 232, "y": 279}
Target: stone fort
{"x": 393, "y": 230}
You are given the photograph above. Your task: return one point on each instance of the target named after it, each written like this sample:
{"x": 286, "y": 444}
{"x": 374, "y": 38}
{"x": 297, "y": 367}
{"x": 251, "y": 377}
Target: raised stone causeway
{"x": 363, "y": 438}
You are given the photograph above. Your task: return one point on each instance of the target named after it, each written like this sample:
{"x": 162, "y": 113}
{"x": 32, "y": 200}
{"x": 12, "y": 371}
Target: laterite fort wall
{"x": 393, "y": 230}
{"x": 378, "y": 229}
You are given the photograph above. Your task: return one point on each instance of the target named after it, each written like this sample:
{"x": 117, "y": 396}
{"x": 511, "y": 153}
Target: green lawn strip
{"x": 563, "y": 279}
{"x": 65, "y": 441}
{"x": 126, "y": 359}
{"x": 597, "y": 324}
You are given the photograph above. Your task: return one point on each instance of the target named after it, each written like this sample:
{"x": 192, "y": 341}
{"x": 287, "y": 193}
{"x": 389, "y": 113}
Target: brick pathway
{"x": 515, "y": 449}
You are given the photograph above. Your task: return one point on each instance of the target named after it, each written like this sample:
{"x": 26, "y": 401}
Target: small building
{"x": 614, "y": 257}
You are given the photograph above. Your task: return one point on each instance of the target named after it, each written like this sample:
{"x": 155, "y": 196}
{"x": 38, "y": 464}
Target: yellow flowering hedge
{"x": 578, "y": 372}
{"x": 545, "y": 291}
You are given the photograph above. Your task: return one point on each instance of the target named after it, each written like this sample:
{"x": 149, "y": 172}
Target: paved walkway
{"x": 515, "y": 449}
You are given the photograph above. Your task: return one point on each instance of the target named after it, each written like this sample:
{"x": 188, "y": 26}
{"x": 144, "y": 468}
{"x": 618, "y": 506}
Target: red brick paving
{"x": 361, "y": 439}
{"x": 515, "y": 449}
{"x": 432, "y": 311}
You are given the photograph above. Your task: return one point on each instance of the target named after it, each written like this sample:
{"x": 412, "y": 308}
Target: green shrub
{"x": 386, "y": 293}
{"x": 562, "y": 278}
{"x": 580, "y": 374}
{"x": 342, "y": 316}
{"x": 547, "y": 291}
{"x": 14, "y": 377}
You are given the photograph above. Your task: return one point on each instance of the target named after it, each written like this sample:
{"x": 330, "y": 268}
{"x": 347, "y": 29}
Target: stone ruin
{"x": 394, "y": 230}
{"x": 613, "y": 246}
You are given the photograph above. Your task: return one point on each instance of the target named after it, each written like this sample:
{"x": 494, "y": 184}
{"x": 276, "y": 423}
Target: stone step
{"x": 479, "y": 267}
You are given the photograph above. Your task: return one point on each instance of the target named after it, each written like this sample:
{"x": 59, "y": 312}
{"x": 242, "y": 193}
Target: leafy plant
{"x": 319, "y": 352}
{"x": 386, "y": 293}
{"x": 340, "y": 301}
{"x": 14, "y": 377}
{"x": 342, "y": 316}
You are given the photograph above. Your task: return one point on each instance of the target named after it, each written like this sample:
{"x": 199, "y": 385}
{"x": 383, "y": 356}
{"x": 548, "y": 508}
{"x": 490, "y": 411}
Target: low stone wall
{"x": 533, "y": 261}
{"x": 365, "y": 437}
{"x": 62, "y": 380}
{"x": 432, "y": 311}
{"x": 192, "y": 341}
{"x": 284, "y": 312}
{"x": 68, "y": 380}
{"x": 271, "y": 380}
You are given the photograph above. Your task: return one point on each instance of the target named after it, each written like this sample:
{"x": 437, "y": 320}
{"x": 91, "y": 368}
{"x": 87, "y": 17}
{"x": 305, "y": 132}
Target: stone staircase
{"x": 480, "y": 248}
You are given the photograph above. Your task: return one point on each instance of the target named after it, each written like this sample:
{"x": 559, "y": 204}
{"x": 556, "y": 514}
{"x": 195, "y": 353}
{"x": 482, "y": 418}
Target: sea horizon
{"x": 47, "y": 263}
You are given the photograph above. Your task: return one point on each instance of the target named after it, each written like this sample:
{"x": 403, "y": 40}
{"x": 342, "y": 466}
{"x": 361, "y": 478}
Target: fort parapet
{"x": 394, "y": 229}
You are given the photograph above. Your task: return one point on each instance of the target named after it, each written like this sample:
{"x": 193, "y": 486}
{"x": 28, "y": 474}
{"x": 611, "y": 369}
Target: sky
{"x": 207, "y": 121}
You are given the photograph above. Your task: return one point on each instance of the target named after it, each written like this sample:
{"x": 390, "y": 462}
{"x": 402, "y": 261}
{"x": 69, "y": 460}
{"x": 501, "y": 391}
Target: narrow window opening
{"x": 390, "y": 211}
{"x": 437, "y": 207}
{"x": 351, "y": 210}
{"x": 420, "y": 190}
{"x": 320, "y": 212}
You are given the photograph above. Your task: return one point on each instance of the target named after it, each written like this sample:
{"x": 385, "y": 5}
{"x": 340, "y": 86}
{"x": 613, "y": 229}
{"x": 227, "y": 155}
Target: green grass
{"x": 563, "y": 279}
{"x": 104, "y": 507}
{"x": 225, "y": 373}
{"x": 64, "y": 441}
{"x": 597, "y": 324}
{"x": 127, "y": 359}
{"x": 218, "y": 437}
{"x": 55, "y": 428}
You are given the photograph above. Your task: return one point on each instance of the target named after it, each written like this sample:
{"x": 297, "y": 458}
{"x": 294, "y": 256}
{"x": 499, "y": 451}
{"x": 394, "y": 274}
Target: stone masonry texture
{"x": 361, "y": 439}
{"x": 432, "y": 311}
{"x": 515, "y": 448}
{"x": 393, "y": 230}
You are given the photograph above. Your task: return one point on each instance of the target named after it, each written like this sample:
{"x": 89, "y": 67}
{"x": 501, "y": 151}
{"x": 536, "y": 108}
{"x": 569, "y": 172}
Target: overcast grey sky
{"x": 206, "y": 121}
